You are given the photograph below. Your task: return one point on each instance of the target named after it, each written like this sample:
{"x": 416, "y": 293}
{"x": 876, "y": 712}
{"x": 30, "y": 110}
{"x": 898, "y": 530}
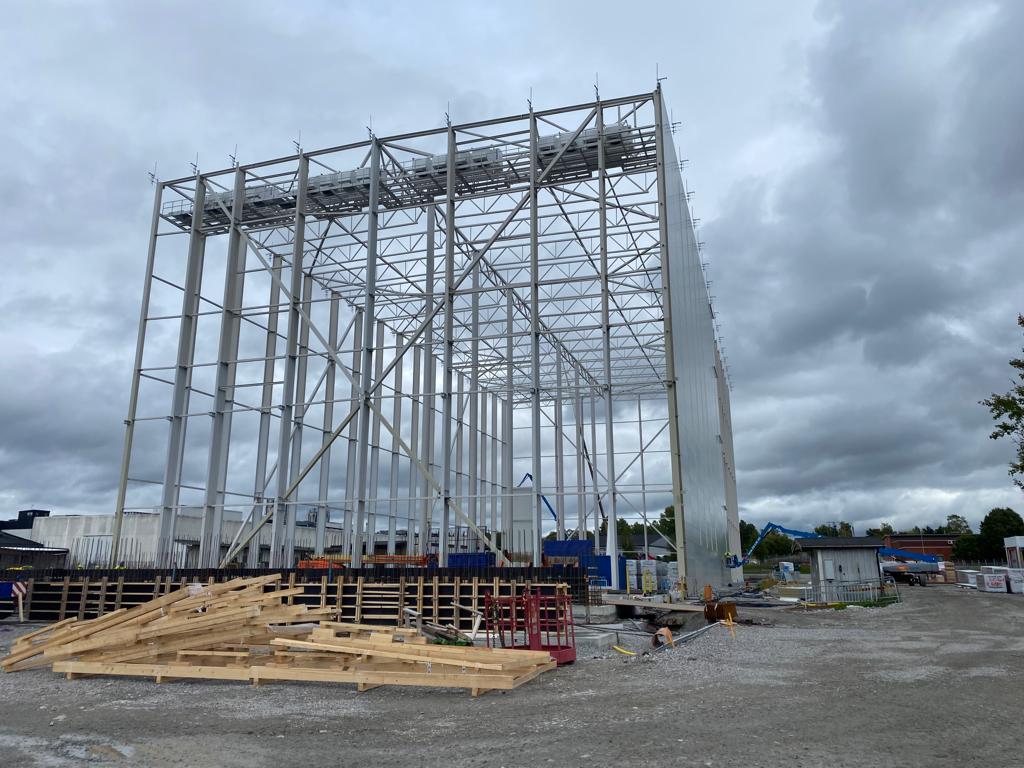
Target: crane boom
{"x": 735, "y": 562}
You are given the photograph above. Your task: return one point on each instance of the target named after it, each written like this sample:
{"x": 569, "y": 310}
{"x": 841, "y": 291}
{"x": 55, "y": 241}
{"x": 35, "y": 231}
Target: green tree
{"x": 987, "y": 544}
{"x": 833, "y": 528}
{"x": 667, "y": 522}
{"x": 1008, "y": 412}
{"x": 748, "y": 535}
{"x": 775, "y": 544}
{"x": 997, "y": 525}
{"x": 956, "y": 524}
{"x": 966, "y": 548}
{"x": 885, "y": 529}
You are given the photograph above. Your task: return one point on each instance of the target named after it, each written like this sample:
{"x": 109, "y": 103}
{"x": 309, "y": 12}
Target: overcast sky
{"x": 858, "y": 169}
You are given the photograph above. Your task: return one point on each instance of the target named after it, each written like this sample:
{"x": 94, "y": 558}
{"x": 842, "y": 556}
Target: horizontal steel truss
{"x": 452, "y": 298}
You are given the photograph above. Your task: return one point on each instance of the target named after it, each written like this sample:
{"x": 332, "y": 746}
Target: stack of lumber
{"x": 194, "y": 618}
{"x": 244, "y": 629}
{"x": 371, "y": 656}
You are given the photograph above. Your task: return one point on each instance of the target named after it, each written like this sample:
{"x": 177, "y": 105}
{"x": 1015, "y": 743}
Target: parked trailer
{"x": 910, "y": 573}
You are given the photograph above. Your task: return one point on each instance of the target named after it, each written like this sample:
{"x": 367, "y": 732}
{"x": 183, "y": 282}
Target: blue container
{"x": 568, "y": 548}
{"x": 600, "y": 566}
{"x": 471, "y": 560}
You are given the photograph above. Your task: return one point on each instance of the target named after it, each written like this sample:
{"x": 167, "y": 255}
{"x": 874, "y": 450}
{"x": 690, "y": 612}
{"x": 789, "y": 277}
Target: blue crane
{"x": 904, "y": 554}
{"x": 732, "y": 561}
{"x": 544, "y": 498}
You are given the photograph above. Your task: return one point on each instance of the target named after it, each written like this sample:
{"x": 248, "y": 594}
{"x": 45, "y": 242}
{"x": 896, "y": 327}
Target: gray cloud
{"x": 859, "y": 169}
{"x": 894, "y": 275}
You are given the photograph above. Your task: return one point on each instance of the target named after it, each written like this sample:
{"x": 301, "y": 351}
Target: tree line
{"x": 987, "y": 544}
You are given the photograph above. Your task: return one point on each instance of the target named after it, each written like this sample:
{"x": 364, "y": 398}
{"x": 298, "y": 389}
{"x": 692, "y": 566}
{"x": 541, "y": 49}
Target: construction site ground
{"x": 934, "y": 681}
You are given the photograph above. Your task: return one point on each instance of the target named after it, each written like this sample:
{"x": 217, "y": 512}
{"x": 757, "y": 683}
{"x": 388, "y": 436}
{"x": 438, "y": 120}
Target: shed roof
{"x": 10, "y": 541}
{"x": 841, "y": 542}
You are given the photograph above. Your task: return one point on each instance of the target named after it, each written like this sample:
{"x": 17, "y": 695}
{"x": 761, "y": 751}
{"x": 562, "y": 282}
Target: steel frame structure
{"x": 386, "y": 335}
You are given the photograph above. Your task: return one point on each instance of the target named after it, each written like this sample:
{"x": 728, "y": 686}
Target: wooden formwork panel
{"x": 359, "y": 599}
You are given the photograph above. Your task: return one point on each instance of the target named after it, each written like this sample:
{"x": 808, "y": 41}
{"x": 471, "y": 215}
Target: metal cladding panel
{"x": 693, "y": 345}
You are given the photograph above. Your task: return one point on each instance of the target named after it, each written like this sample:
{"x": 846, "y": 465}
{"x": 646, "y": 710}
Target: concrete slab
{"x": 591, "y": 642}
{"x": 599, "y": 614}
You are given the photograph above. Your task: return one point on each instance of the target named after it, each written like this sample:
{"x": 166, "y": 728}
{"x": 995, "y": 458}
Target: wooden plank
{"x": 119, "y": 593}
{"x": 202, "y": 621}
{"x": 359, "y": 599}
{"x": 64, "y": 599}
{"x": 152, "y": 670}
{"x": 513, "y": 655}
{"x": 228, "y": 654}
{"x": 24, "y": 639}
{"x": 424, "y": 679}
{"x": 417, "y": 654}
{"x": 29, "y": 589}
{"x": 179, "y": 644}
{"x": 437, "y": 600}
{"x": 401, "y": 600}
{"x": 347, "y": 626}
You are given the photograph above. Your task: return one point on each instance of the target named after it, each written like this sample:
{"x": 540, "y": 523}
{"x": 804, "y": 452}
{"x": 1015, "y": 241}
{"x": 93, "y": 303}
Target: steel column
{"x": 678, "y": 501}
{"x": 495, "y": 484}
{"x": 474, "y": 505}
{"x": 366, "y": 375}
{"x": 224, "y": 389}
{"x": 429, "y": 386}
{"x": 353, "y": 431}
{"x": 559, "y": 452}
{"x": 606, "y": 335}
{"x": 396, "y": 419}
{"x": 182, "y": 379}
{"x": 535, "y": 349}
{"x": 374, "y": 480}
{"x": 449, "y": 351}
{"x": 283, "y": 545}
{"x": 262, "y": 480}
{"x": 133, "y": 397}
{"x": 323, "y": 510}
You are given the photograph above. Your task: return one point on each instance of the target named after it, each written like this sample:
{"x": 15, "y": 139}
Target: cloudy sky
{"x": 858, "y": 169}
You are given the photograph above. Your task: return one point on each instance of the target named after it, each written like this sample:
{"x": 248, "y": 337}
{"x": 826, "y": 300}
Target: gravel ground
{"x": 935, "y": 681}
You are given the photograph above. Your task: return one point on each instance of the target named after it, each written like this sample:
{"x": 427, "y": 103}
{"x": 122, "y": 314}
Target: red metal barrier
{"x": 533, "y": 621}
